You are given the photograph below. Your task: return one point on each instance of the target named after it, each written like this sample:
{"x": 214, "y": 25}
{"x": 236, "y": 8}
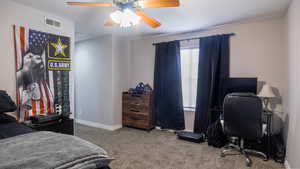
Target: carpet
{"x": 138, "y": 149}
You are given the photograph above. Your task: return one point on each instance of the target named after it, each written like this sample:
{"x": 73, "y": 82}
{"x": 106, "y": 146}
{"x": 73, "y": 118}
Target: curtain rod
{"x": 230, "y": 34}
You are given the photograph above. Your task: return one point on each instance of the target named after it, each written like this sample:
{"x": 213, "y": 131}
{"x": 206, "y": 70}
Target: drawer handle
{"x": 136, "y": 95}
{"x": 134, "y": 110}
{"x": 136, "y": 104}
{"x": 134, "y": 118}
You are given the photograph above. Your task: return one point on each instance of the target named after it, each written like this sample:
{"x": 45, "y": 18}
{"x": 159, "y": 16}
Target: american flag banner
{"x": 42, "y": 73}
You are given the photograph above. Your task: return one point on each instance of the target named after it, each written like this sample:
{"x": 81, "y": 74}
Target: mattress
{"x": 45, "y": 150}
{"x": 9, "y": 128}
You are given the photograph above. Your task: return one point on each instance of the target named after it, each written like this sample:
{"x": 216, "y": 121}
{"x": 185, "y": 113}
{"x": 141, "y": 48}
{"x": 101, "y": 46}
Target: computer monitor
{"x": 240, "y": 85}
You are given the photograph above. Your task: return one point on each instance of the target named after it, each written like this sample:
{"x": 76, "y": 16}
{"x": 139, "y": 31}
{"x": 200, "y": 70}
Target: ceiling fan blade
{"x": 158, "y": 3}
{"x": 148, "y": 20}
{"x": 110, "y": 22}
{"x": 90, "y": 4}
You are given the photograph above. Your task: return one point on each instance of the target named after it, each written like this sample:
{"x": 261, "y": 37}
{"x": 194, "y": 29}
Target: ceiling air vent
{"x": 53, "y": 22}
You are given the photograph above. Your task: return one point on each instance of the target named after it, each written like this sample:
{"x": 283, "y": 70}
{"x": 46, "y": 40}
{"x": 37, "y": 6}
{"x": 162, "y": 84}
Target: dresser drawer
{"x": 136, "y": 120}
{"x": 135, "y": 103}
{"x": 138, "y": 109}
{"x": 144, "y": 97}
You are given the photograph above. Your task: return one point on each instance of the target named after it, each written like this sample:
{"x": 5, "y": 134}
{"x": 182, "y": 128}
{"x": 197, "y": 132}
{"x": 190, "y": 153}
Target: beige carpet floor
{"x": 137, "y": 149}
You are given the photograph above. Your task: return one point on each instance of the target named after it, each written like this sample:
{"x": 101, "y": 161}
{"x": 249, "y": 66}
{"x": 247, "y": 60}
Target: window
{"x": 189, "y": 76}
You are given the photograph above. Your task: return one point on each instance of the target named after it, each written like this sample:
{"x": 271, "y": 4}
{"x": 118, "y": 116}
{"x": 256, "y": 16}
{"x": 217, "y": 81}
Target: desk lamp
{"x": 266, "y": 93}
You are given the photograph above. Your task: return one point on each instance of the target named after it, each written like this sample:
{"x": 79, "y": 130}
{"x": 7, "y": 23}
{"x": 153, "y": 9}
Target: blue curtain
{"x": 168, "y": 106}
{"x": 213, "y": 69}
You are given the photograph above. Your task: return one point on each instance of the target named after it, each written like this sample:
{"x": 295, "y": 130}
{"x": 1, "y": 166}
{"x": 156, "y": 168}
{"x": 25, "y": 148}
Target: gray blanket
{"x": 47, "y": 150}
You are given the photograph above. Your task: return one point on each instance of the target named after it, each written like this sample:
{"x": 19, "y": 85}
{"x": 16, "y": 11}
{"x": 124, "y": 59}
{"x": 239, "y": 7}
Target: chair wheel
{"x": 222, "y": 155}
{"x": 248, "y": 162}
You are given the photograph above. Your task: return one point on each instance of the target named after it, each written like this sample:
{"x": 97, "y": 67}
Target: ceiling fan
{"x": 129, "y": 12}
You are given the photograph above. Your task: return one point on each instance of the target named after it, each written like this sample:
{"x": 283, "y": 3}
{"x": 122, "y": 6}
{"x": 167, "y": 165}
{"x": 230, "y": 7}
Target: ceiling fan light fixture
{"x": 116, "y": 16}
{"x": 125, "y": 18}
{"x": 131, "y": 17}
{"x": 140, "y": 3}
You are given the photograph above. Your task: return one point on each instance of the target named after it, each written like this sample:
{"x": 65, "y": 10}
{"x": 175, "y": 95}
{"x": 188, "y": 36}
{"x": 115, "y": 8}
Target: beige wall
{"x": 293, "y": 90}
{"x": 257, "y": 50}
{"x": 15, "y": 14}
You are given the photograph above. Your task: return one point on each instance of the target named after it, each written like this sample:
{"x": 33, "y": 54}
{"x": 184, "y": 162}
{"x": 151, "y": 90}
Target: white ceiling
{"x": 191, "y": 15}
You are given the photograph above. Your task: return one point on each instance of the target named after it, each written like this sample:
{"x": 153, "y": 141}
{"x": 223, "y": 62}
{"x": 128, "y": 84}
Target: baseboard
{"x": 287, "y": 165}
{"x": 159, "y": 128}
{"x": 189, "y": 131}
{"x": 99, "y": 125}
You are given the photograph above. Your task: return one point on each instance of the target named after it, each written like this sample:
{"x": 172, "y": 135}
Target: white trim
{"x": 189, "y": 130}
{"x": 99, "y": 125}
{"x": 173, "y": 131}
{"x": 287, "y": 165}
{"x": 189, "y": 110}
{"x": 168, "y": 130}
{"x": 157, "y": 128}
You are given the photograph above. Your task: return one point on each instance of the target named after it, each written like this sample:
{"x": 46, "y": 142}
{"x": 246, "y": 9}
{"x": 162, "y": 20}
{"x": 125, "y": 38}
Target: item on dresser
{"x": 137, "y": 110}
{"x": 140, "y": 89}
{"x": 147, "y": 88}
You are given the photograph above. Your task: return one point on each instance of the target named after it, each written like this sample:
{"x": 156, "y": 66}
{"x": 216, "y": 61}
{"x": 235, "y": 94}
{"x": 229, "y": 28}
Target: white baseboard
{"x": 287, "y": 165}
{"x": 172, "y": 131}
{"x": 99, "y": 125}
{"x": 189, "y": 131}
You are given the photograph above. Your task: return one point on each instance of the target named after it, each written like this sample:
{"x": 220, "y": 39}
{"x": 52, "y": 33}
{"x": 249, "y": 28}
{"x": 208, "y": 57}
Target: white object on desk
{"x": 266, "y": 93}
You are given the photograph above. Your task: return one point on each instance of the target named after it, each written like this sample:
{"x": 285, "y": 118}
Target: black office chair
{"x": 243, "y": 120}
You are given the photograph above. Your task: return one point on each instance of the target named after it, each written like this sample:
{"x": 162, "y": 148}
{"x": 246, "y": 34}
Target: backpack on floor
{"x": 278, "y": 148}
{"x": 215, "y": 135}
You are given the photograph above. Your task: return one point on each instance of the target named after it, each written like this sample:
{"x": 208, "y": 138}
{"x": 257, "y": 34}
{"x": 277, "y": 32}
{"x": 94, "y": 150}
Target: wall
{"x": 256, "y": 51}
{"x": 293, "y": 92}
{"x": 120, "y": 75}
{"x": 93, "y": 74}
{"x": 11, "y": 14}
{"x": 101, "y": 76}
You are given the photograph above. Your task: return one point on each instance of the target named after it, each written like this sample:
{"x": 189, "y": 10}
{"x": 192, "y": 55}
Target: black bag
{"x": 278, "y": 148}
{"x": 190, "y": 136}
{"x": 215, "y": 135}
{"x": 6, "y": 103}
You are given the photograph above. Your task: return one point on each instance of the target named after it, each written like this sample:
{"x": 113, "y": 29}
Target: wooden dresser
{"x": 137, "y": 111}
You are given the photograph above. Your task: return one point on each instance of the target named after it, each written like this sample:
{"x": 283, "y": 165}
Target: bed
{"x": 22, "y": 147}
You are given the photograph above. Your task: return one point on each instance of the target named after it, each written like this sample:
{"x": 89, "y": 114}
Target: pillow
{"x": 6, "y": 103}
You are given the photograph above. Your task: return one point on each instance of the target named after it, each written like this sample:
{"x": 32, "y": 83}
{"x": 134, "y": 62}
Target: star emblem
{"x": 59, "y": 48}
